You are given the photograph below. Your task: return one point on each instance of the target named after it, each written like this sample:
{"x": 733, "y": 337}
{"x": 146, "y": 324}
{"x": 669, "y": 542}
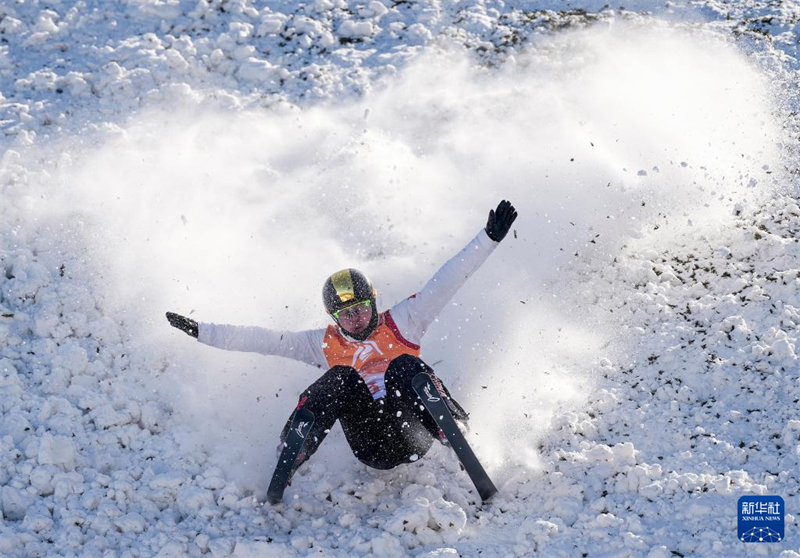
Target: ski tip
{"x": 421, "y": 380}
{"x": 304, "y": 414}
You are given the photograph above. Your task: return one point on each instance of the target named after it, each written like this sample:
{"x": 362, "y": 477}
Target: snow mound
{"x": 639, "y": 330}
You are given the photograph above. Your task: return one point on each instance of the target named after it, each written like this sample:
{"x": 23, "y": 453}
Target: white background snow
{"x": 628, "y": 354}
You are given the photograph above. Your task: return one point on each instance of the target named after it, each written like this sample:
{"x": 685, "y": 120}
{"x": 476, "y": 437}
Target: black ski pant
{"x": 382, "y": 433}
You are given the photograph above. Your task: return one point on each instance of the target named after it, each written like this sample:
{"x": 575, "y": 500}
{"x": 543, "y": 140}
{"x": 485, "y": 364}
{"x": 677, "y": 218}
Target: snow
{"x": 220, "y": 158}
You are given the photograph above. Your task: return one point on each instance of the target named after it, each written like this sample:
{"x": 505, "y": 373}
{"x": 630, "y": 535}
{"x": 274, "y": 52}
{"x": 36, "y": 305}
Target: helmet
{"x": 347, "y": 287}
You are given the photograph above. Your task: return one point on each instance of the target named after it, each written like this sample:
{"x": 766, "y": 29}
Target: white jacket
{"x": 412, "y": 316}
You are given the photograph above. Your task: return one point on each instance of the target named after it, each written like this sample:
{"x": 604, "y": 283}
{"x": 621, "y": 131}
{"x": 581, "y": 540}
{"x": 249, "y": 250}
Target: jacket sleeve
{"x": 413, "y": 315}
{"x": 305, "y": 346}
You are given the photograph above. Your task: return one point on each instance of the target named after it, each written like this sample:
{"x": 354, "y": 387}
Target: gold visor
{"x": 343, "y": 285}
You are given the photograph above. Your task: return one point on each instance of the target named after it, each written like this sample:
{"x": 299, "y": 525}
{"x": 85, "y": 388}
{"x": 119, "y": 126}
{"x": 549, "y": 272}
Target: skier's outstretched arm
{"x": 305, "y": 346}
{"x": 414, "y": 315}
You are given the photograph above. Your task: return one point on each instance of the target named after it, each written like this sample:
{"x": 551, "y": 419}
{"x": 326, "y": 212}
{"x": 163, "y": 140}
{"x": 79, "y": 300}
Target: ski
{"x": 436, "y": 406}
{"x": 301, "y": 425}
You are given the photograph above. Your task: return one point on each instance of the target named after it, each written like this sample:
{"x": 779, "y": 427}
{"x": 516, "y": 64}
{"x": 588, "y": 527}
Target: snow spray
{"x": 598, "y": 137}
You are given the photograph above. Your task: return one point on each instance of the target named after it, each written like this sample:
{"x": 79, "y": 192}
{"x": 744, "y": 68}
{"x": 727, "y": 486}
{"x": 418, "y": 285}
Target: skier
{"x": 371, "y": 357}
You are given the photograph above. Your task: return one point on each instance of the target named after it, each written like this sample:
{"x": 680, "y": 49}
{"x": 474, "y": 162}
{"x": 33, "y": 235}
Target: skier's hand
{"x": 500, "y": 220}
{"x": 184, "y": 324}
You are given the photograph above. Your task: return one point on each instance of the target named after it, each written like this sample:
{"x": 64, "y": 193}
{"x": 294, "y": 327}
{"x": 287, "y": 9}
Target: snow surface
{"x": 220, "y": 158}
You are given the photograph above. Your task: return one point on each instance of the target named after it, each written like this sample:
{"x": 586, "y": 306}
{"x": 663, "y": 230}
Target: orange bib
{"x": 372, "y": 356}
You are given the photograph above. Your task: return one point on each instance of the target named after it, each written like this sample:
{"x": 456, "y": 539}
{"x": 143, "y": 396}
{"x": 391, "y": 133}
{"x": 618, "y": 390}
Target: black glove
{"x": 500, "y": 220}
{"x": 184, "y": 324}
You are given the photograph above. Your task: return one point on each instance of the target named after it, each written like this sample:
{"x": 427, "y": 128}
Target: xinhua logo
{"x": 761, "y": 519}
